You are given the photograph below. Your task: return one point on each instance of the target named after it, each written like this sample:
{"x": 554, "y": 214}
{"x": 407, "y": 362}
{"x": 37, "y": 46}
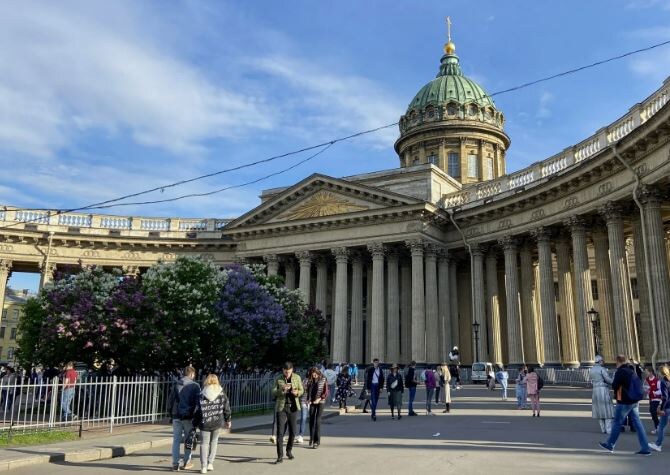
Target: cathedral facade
{"x": 548, "y": 265}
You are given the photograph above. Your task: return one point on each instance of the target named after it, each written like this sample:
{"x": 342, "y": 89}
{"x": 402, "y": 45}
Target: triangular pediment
{"x": 318, "y": 196}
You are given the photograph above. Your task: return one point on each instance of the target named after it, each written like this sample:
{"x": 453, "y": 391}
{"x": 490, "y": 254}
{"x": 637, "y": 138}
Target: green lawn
{"x": 36, "y": 438}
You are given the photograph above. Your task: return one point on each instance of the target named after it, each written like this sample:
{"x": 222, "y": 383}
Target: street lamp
{"x": 594, "y": 317}
{"x": 475, "y": 329}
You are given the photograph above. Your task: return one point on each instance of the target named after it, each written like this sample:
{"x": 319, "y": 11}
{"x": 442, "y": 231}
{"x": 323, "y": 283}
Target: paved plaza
{"x": 482, "y": 434}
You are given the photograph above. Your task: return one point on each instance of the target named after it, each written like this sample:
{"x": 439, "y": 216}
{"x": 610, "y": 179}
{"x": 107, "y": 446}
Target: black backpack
{"x": 540, "y": 382}
{"x": 634, "y": 390}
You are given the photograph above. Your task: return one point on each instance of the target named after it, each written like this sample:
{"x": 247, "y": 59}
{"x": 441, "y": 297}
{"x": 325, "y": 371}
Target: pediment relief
{"x": 322, "y": 203}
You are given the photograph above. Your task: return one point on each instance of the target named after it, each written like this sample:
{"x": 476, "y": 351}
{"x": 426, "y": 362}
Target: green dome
{"x": 449, "y": 86}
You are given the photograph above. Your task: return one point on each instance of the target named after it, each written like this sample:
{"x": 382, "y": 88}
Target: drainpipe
{"x": 46, "y": 260}
{"x": 652, "y": 310}
{"x": 450, "y": 212}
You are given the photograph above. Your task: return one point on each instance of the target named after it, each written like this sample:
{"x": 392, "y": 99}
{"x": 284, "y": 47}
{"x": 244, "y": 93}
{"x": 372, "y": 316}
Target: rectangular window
{"x": 558, "y": 297}
{"x": 432, "y": 159}
{"x": 594, "y": 289}
{"x": 472, "y": 166}
{"x": 454, "y": 165}
{"x": 16, "y": 313}
{"x": 2, "y": 332}
{"x": 633, "y": 288}
{"x": 488, "y": 169}
{"x": 12, "y": 334}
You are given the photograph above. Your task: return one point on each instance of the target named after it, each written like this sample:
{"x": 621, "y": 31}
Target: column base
{"x": 571, "y": 365}
{"x": 587, "y": 364}
{"x": 554, "y": 365}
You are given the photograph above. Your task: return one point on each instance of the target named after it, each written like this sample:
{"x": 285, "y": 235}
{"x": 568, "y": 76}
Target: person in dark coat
{"x": 184, "y": 398}
{"x": 374, "y": 382}
{"x": 395, "y": 388}
{"x": 212, "y": 414}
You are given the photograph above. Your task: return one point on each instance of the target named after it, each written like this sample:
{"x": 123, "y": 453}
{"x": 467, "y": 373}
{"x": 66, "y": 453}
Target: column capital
{"x": 341, "y": 254}
{"x": 288, "y": 261}
{"x": 508, "y": 243}
{"x": 432, "y": 250}
{"x": 271, "y": 259}
{"x": 356, "y": 257}
{"x": 416, "y": 246}
{"x": 611, "y": 211}
{"x": 130, "y": 271}
{"x": 576, "y": 224}
{"x": 377, "y": 250}
{"x": 48, "y": 269}
{"x": 5, "y": 265}
{"x": 477, "y": 249}
{"x": 541, "y": 234}
{"x": 650, "y": 195}
{"x": 321, "y": 259}
{"x": 304, "y": 257}
{"x": 392, "y": 254}
{"x": 443, "y": 255}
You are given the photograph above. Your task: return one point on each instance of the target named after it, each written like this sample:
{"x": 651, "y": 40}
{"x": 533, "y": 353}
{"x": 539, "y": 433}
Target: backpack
{"x": 635, "y": 391}
{"x": 540, "y": 382}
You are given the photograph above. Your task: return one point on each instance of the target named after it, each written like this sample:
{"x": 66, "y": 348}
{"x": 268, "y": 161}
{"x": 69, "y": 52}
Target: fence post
{"x": 54, "y": 402}
{"x": 113, "y": 408}
{"x": 154, "y": 395}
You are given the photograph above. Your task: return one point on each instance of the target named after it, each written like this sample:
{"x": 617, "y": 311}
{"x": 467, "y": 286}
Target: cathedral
{"x": 551, "y": 264}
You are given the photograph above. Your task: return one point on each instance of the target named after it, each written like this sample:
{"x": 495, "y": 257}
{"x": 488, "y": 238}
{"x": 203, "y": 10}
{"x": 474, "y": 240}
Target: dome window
{"x": 452, "y": 109}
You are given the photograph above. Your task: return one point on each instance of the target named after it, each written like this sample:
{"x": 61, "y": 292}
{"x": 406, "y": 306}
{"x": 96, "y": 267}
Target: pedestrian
{"x": 490, "y": 377}
{"x": 438, "y": 384}
{"x": 9, "y": 389}
{"x": 184, "y": 400}
{"x": 533, "y": 387}
{"x": 287, "y": 391}
{"x": 331, "y": 377}
{"x": 454, "y": 362}
{"x": 663, "y": 408}
{"x": 520, "y": 390}
{"x": 601, "y": 400}
{"x": 354, "y": 372}
{"x": 502, "y": 376}
{"x": 317, "y": 394}
{"x": 374, "y": 381}
{"x": 69, "y": 382}
{"x": 343, "y": 389}
{"x": 430, "y": 390}
{"x": 654, "y": 395}
{"x": 212, "y": 414}
{"x": 304, "y": 412}
{"x": 445, "y": 379}
{"x": 628, "y": 390}
{"x": 411, "y": 383}
{"x": 395, "y": 388}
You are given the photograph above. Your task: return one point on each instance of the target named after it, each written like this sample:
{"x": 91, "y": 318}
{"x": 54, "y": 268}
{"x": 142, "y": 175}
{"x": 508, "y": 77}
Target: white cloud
{"x": 543, "y": 110}
{"x": 67, "y": 69}
{"x": 655, "y": 64}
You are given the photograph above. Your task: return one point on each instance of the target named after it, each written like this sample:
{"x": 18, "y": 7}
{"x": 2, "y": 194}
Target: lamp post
{"x": 594, "y": 317}
{"x": 475, "y": 329}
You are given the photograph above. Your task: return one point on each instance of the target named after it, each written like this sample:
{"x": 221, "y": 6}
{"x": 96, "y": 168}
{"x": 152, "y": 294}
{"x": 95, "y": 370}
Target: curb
{"x": 103, "y": 453}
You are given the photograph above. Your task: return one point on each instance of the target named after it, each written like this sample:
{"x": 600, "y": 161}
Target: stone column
{"x": 547, "y": 298}
{"x": 537, "y": 308}
{"x": 443, "y": 303}
{"x": 453, "y": 304}
{"x": 321, "y": 300}
{"x": 583, "y": 295}
{"x": 356, "y": 331}
{"x": 305, "y": 278}
{"x": 658, "y": 268}
{"x": 47, "y": 270}
{"x": 621, "y": 297}
{"x": 377, "y": 327}
{"x": 289, "y": 267}
{"x": 393, "y": 309}
{"x": 529, "y": 322}
{"x": 646, "y": 331}
{"x": 418, "y": 349}
{"x": 514, "y": 335}
{"x": 478, "y": 300}
{"x": 605, "y": 302}
{"x": 405, "y": 310}
{"x": 340, "y": 311}
{"x": 565, "y": 293}
{"x": 130, "y": 271}
{"x": 432, "y": 311}
{"x": 493, "y": 299}
{"x": 271, "y": 263}
{"x": 5, "y": 269}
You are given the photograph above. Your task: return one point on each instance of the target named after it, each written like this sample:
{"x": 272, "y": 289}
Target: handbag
{"x": 365, "y": 394}
{"x": 191, "y": 441}
{"x": 394, "y": 384}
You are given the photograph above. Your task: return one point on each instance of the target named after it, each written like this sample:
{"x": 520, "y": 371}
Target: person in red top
{"x": 654, "y": 395}
{"x": 69, "y": 382}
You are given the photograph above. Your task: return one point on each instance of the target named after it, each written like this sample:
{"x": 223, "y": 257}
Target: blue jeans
{"x": 304, "y": 414}
{"x": 429, "y": 399}
{"x": 374, "y": 397}
{"x": 620, "y": 413}
{"x": 65, "y": 402}
{"x": 503, "y": 387}
{"x": 410, "y": 404}
{"x": 331, "y": 392}
{"x": 180, "y": 427}
{"x": 521, "y": 395}
{"x": 661, "y": 427}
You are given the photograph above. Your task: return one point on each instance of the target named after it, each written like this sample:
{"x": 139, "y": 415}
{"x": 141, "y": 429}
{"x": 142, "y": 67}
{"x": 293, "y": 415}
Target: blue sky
{"x": 99, "y": 99}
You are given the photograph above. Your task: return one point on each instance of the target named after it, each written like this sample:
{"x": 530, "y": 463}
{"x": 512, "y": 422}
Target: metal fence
{"x": 98, "y": 403}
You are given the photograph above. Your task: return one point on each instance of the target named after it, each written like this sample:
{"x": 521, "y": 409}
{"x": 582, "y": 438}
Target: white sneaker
{"x": 298, "y": 440}
{"x": 210, "y": 467}
{"x": 273, "y": 439}
{"x": 203, "y": 470}
{"x": 459, "y": 387}
{"x": 654, "y": 447}
{"x": 653, "y": 432}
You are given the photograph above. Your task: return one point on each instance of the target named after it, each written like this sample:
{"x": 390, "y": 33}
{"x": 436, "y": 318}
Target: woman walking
{"x": 430, "y": 390}
{"x": 343, "y": 388}
{"x": 445, "y": 378}
{"x": 601, "y": 399}
{"x": 395, "y": 388}
{"x": 502, "y": 376}
{"x": 212, "y": 413}
{"x": 316, "y": 390}
{"x": 304, "y": 412}
{"x": 520, "y": 390}
{"x": 533, "y": 389}
{"x": 663, "y": 408}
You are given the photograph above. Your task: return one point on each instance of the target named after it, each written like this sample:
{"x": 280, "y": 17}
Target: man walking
{"x": 411, "y": 383}
{"x": 628, "y": 390}
{"x": 287, "y": 391}
{"x": 69, "y": 381}
{"x": 374, "y": 382}
{"x": 184, "y": 397}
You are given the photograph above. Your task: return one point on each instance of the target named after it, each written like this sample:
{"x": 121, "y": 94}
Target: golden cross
{"x": 449, "y": 28}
